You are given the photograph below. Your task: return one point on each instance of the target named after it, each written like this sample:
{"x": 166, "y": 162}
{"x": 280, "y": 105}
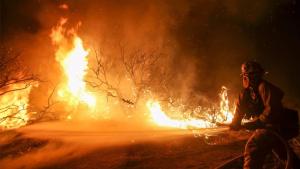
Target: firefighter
{"x": 260, "y": 103}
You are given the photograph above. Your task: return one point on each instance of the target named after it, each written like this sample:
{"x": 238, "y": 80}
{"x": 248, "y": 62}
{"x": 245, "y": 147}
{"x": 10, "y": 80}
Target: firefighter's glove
{"x": 234, "y": 127}
{"x": 252, "y": 125}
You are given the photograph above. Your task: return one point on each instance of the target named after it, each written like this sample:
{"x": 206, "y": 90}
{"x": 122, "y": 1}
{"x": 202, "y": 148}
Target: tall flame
{"x": 226, "y": 114}
{"x": 72, "y": 56}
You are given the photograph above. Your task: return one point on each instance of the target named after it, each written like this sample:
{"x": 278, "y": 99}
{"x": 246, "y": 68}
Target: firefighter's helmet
{"x": 252, "y": 67}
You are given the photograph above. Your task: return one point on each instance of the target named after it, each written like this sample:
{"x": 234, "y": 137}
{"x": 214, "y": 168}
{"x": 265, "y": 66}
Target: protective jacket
{"x": 262, "y": 102}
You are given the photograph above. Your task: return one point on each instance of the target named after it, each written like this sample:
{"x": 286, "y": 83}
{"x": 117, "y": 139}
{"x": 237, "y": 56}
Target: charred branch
{"x": 16, "y": 109}
{"x": 46, "y": 112}
{"x": 100, "y": 79}
{"x": 138, "y": 66}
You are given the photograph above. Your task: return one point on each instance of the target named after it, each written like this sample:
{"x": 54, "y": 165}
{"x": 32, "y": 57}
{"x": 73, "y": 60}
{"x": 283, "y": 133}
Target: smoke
{"x": 203, "y": 42}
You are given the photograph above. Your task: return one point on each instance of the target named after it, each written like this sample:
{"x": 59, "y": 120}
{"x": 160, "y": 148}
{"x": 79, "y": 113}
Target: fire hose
{"x": 239, "y": 159}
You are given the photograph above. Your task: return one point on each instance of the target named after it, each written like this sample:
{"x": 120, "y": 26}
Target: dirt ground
{"x": 111, "y": 145}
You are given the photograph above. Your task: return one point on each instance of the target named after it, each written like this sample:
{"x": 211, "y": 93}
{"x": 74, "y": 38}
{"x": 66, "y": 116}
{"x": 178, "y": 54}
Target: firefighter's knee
{"x": 256, "y": 149}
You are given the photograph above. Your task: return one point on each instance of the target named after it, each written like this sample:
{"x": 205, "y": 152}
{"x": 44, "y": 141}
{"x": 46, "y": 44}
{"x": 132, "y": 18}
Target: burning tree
{"x": 91, "y": 81}
{"x": 132, "y": 77}
{"x": 15, "y": 85}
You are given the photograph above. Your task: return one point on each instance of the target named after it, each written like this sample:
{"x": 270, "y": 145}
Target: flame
{"x": 72, "y": 56}
{"x": 224, "y": 115}
{"x": 161, "y": 119}
{"x": 14, "y": 106}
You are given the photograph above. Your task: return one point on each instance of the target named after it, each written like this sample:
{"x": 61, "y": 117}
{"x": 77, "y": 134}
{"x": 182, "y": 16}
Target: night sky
{"x": 215, "y": 37}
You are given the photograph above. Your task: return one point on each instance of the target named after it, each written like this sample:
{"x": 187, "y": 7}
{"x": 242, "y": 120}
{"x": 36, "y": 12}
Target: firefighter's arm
{"x": 265, "y": 94}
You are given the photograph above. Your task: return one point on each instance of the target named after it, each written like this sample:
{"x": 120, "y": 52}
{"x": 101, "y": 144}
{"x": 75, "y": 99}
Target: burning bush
{"x": 15, "y": 86}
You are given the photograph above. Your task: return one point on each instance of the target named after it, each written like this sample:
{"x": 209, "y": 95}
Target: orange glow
{"x": 72, "y": 57}
{"x": 64, "y": 6}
